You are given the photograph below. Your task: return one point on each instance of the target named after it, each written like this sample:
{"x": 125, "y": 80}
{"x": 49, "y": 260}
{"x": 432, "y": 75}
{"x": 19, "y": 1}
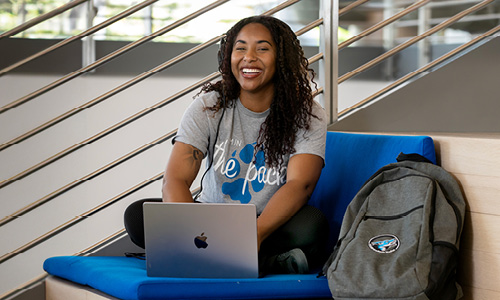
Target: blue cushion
{"x": 350, "y": 160}
{"x": 126, "y": 278}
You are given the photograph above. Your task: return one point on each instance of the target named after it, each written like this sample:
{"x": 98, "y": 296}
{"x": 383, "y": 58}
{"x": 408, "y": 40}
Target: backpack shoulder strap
{"x": 415, "y": 157}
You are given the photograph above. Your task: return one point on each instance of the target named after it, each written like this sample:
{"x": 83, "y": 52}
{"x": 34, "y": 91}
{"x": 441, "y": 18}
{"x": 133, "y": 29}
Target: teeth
{"x": 251, "y": 71}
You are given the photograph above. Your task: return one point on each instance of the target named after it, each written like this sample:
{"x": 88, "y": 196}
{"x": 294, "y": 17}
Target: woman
{"x": 264, "y": 136}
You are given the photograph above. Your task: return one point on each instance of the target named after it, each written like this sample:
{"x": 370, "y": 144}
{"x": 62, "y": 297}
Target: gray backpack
{"x": 400, "y": 236}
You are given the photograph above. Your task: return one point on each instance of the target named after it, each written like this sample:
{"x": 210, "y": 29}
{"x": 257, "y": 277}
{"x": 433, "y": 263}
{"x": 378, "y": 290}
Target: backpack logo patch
{"x": 386, "y": 243}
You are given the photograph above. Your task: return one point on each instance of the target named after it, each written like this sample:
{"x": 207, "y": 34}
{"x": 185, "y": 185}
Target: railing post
{"x": 148, "y": 20}
{"x": 424, "y": 47}
{"x": 88, "y": 42}
{"x": 329, "y": 11}
{"x": 389, "y": 41}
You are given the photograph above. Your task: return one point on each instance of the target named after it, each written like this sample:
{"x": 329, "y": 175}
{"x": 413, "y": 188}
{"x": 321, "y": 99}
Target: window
{"x": 144, "y": 21}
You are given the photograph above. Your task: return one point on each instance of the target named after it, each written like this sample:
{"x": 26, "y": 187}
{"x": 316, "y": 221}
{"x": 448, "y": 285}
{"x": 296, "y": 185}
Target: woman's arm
{"x": 182, "y": 169}
{"x": 303, "y": 172}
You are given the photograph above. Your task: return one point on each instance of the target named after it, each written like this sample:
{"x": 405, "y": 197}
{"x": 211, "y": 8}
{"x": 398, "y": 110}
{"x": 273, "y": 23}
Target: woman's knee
{"x": 134, "y": 220}
{"x": 307, "y": 228}
{"x": 309, "y": 223}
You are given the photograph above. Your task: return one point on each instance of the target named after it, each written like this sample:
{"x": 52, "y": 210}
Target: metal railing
{"x": 445, "y": 23}
{"x": 414, "y": 40}
{"x": 327, "y": 55}
{"x": 420, "y": 71}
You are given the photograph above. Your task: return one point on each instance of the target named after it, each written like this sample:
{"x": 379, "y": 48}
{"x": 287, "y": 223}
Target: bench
{"x": 350, "y": 160}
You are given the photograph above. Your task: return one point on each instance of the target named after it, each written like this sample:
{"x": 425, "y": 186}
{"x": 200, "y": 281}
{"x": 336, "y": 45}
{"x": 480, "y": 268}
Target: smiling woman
{"x": 264, "y": 136}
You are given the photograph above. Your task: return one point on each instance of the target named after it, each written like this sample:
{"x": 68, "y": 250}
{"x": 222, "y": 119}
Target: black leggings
{"x": 307, "y": 230}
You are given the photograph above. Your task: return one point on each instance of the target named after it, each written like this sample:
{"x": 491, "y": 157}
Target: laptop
{"x": 201, "y": 240}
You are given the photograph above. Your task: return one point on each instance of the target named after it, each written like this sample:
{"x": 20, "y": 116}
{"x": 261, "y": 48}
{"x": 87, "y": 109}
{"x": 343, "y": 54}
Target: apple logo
{"x": 201, "y": 241}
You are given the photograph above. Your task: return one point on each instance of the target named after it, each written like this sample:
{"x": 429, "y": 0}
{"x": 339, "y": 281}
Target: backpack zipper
{"x": 386, "y": 218}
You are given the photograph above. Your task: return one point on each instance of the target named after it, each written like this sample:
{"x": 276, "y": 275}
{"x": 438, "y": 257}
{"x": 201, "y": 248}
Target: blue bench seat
{"x": 350, "y": 160}
{"x": 125, "y": 278}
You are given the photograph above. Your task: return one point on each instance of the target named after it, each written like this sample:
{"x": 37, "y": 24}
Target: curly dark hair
{"x": 291, "y": 107}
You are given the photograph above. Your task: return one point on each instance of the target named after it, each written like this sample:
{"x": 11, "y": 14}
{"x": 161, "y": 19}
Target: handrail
{"x": 414, "y": 40}
{"x": 117, "y": 126}
{"x": 42, "y": 18}
{"x": 103, "y": 133}
{"x": 309, "y": 26}
{"x": 351, "y": 6}
{"x": 383, "y": 23}
{"x": 420, "y": 70}
{"x": 87, "y": 32}
{"x": 113, "y": 237}
{"x": 315, "y": 58}
{"x": 279, "y": 7}
{"x": 109, "y": 57}
{"x": 320, "y": 90}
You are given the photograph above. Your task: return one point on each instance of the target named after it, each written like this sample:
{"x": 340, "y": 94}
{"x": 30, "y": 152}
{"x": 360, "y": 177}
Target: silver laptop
{"x": 194, "y": 240}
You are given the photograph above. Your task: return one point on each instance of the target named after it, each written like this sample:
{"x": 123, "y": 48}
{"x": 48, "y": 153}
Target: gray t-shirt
{"x": 237, "y": 175}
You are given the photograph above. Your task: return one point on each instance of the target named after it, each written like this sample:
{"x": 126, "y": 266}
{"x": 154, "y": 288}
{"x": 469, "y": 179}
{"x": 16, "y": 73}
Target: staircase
{"x": 81, "y": 142}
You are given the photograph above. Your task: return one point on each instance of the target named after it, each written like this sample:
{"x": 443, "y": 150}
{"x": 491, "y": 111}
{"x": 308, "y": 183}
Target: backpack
{"x": 400, "y": 235}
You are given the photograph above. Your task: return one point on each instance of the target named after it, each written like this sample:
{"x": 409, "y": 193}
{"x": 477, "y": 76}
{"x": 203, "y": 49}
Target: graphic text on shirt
{"x": 257, "y": 175}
